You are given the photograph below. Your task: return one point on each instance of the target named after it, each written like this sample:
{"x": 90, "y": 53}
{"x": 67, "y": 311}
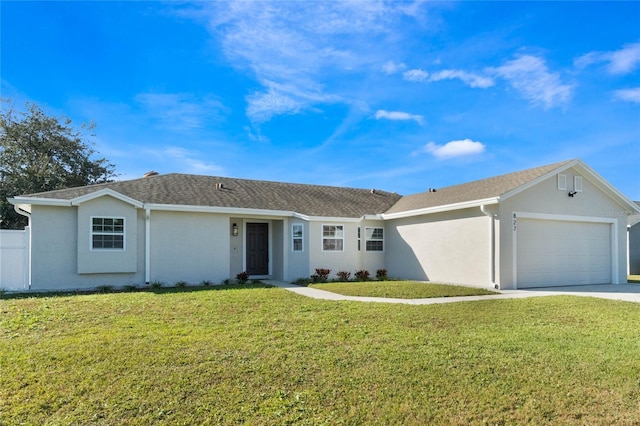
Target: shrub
{"x": 226, "y": 281}
{"x": 381, "y": 274}
{"x": 321, "y": 275}
{"x": 343, "y": 275}
{"x": 302, "y": 281}
{"x": 130, "y": 287}
{"x": 156, "y": 284}
{"x": 181, "y": 284}
{"x": 104, "y": 289}
{"x": 242, "y": 277}
{"x": 362, "y": 275}
{"x": 205, "y": 283}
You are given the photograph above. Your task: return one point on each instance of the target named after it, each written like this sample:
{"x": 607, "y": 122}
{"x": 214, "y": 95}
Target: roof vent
{"x": 373, "y": 191}
{"x": 151, "y": 173}
{"x": 219, "y": 185}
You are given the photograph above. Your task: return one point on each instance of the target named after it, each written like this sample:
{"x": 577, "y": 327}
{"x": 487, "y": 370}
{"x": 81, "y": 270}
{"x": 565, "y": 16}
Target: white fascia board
{"x": 335, "y": 219}
{"x": 440, "y": 209}
{"x": 104, "y": 192}
{"x": 222, "y": 210}
{"x": 372, "y": 217}
{"x": 39, "y": 201}
{"x": 538, "y": 180}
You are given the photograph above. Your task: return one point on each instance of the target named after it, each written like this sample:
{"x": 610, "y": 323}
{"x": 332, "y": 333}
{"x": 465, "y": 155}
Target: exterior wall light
{"x": 234, "y": 229}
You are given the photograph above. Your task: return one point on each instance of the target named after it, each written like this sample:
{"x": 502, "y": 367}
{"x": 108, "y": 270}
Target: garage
{"x": 562, "y": 252}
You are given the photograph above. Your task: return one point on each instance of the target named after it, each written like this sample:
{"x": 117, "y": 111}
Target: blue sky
{"x": 400, "y": 96}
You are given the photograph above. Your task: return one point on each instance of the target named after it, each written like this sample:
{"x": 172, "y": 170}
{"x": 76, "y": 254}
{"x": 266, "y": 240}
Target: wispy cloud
{"x": 470, "y": 79}
{"x": 186, "y": 161}
{"x": 295, "y": 49}
{"x": 415, "y": 75}
{"x": 453, "y": 149}
{"x": 391, "y": 67}
{"x": 618, "y": 62}
{"x": 530, "y": 76}
{"x": 180, "y": 112}
{"x": 629, "y": 95}
{"x": 398, "y": 116}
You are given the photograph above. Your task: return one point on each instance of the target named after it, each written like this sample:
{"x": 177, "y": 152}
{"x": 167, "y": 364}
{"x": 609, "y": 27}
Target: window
{"x": 107, "y": 233}
{"x": 562, "y": 182}
{"x": 577, "y": 183}
{"x": 332, "y": 237}
{"x": 374, "y": 239}
{"x": 296, "y": 237}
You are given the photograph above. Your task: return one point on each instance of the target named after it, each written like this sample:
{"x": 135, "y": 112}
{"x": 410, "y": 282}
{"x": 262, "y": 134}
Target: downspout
{"x": 492, "y": 244}
{"x": 147, "y": 245}
{"x": 28, "y": 231}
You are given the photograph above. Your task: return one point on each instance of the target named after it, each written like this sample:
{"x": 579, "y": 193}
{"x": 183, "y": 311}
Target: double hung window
{"x": 332, "y": 237}
{"x": 297, "y": 237}
{"x": 107, "y": 233}
{"x": 374, "y": 238}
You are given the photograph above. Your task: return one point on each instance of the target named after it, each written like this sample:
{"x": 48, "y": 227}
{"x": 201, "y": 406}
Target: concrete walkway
{"x": 626, "y": 292}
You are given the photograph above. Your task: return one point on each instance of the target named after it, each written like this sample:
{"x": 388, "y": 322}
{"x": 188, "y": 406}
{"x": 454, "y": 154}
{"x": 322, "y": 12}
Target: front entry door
{"x": 258, "y": 248}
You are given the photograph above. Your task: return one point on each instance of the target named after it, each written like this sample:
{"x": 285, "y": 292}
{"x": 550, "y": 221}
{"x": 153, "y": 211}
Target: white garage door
{"x": 559, "y": 253}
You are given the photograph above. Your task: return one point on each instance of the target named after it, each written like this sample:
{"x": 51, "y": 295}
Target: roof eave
{"x": 442, "y": 208}
{"x": 37, "y": 201}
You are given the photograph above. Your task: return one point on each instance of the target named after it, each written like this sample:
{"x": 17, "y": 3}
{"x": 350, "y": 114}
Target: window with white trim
{"x": 297, "y": 237}
{"x": 332, "y": 237}
{"x": 374, "y": 239}
{"x": 107, "y": 233}
{"x": 562, "y": 182}
{"x": 577, "y": 183}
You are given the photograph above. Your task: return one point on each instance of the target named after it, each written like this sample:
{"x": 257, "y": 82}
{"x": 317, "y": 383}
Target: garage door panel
{"x": 558, "y": 253}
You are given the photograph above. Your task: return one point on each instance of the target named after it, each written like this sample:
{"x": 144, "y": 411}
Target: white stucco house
{"x": 633, "y": 248}
{"x": 560, "y": 224}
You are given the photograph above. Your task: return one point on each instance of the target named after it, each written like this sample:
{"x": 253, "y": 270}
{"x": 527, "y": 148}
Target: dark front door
{"x": 258, "y": 248}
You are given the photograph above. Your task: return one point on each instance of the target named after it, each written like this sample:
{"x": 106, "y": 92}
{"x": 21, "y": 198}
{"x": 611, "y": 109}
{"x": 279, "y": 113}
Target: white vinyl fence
{"x": 14, "y": 259}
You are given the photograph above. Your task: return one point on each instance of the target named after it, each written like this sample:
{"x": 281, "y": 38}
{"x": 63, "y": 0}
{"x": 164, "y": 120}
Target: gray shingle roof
{"x": 311, "y": 200}
{"x": 476, "y": 190}
{"x": 195, "y": 190}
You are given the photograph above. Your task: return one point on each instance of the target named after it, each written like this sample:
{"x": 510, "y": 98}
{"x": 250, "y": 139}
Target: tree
{"x": 41, "y": 153}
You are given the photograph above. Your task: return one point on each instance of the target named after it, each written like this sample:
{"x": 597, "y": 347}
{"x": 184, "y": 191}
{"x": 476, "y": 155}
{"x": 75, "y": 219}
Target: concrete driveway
{"x": 626, "y": 292}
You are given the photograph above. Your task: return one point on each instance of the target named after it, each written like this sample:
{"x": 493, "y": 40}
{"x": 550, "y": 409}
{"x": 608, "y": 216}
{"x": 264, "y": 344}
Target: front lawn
{"x": 400, "y": 289}
{"x": 268, "y": 356}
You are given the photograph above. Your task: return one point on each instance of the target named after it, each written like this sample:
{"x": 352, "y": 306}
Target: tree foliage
{"x": 41, "y": 153}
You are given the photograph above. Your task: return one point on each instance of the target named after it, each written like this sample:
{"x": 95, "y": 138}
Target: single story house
{"x": 555, "y": 225}
{"x": 633, "y": 246}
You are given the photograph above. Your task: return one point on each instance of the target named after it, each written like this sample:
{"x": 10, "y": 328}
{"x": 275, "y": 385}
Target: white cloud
{"x": 295, "y": 50}
{"x": 530, "y": 76}
{"x": 180, "y": 112}
{"x": 391, "y": 67}
{"x": 454, "y": 149}
{"x": 629, "y": 95}
{"x": 398, "y": 116}
{"x": 415, "y": 75}
{"x": 470, "y": 79}
{"x": 619, "y": 62}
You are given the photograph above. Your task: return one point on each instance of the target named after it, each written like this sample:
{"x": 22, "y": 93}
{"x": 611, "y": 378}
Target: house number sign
{"x": 515, "y": 223}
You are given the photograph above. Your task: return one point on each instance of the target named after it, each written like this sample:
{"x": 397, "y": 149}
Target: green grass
{"x": 267, "y": 356}
{"x": 634, "y": 278}
{"x": 400, "y": 289}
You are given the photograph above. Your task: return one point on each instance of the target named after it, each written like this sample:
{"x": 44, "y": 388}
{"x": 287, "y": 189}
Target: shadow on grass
{"x": 142, "y": 289}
